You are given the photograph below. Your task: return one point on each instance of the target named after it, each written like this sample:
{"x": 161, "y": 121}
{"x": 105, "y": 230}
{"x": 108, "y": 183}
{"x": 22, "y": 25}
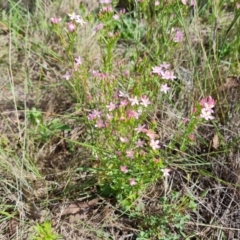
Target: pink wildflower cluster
{"x": 164, "y": 72}
{"x": 207, "y": 105}
{"x": 74, "y": 21}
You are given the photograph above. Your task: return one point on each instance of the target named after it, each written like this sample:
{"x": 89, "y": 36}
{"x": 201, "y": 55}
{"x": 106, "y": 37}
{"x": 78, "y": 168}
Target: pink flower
{"x": 207, "y": 102}
{"x": 164, "y": 88}
{"x": 133, "y": 114}
{"x": 124, "y": 103}
{"x": 107, "y": 9}
{"x": 185, "y": 120}
{"x": 111, "y": 106}
{"x": 154, "y": 144}
{"x": 140, "y": 128}
{"x": 124, "y": 139}
{"x": 238, "y": 5}
{"x": 115, "y": 17}
{"x": 168, "y": 75}
{"x": 132, "y": 181}
{"x": 109, "y": 117}
{"x": 145, "y": 101}
{"x": 151, "y": 134}
{"x": 191, "y": 137}
{"x": 78, "y": 61}
{"x": 130, "y": 154}
{"x": 94, "y": 114}
{"x": 124, "y": 169}
{"x": 157, "y": 70}
{"x": 157, "y": 3}
{"x": 134, "y": 101}
{"x": 139, "y": 143}
{"x": 99, "y": 123}
{"x": 166, "y": 171}
{"x": 105, "y": 1}
{"x": 192, "y": 3}
{"x": 184, "y": 2}
{"x": 55, "y": 20}
{"x": 67, "y": 75}
{"x": 122, "y": 94}
{"x": 73, "y": 16}
{"x": 206, "y": 114}
{"x": 98, "y": 27}
{"x": 165, "y": 65}
{"x": 178, "y": 36}
{"x": 71, "y": 27}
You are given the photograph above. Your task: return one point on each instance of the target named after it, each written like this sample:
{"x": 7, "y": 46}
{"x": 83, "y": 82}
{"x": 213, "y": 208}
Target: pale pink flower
{"x": 165, "y": 65}
{"x": 191, "y": 137}
{"x": 98, "y": 27}
{"x": 124, "y": 139}
{"x": 124, "y": 169}
{"x": 207, "y": 114}
{"x": 122, "y": 94}
{"x": 99, "y": 123}
{"x": 115, "y": 17}
{"x": 71, "y": 27}
{"x": 139, "y": 143}
{"x": 238, "y": 5}
{"x": 140, "y": 128}
{"x": 124, "y": 103}
{"x": 109, "y": 117}
{"x": 130, "y": 154}
{"x": 184, "y": 2}
{"x": 166, "y": 171}
{"x": 145, "y": 101}
{"x": 185, "y": 120}
{"x": 164, "y": 88}
{"x": 73, "y": 16}
{"x": 67, "y": 75}
{"x": 157, "y": 3}
{"x": 133, "y": 114}
{"x": 154, "y": 144}
{"x": 126, "y": 73}
{"x": 55, "y": 20}
{"x": 207, "y": 102}
{"x": 178, "y": 37}
{"x": 192, "y": 3}
{"x": 168, "y": 75}
{"x": 107, "y": 9}
{"x": 134, "y": 101}
{"x": 94, "y": 114}
{"x": 157, "y": 70}
{"x": 111, "y": 106}
{"x": 80, "y": 21}
{"x": 95, "y": 73}
{"x": 105, "y": 1}
{"x": 78, "y": 61}
{"x": 151, "y": 134}
{"x": 132, "y": 181}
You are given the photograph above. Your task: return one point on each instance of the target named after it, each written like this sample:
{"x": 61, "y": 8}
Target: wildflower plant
{"x": 131, "y": 146}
